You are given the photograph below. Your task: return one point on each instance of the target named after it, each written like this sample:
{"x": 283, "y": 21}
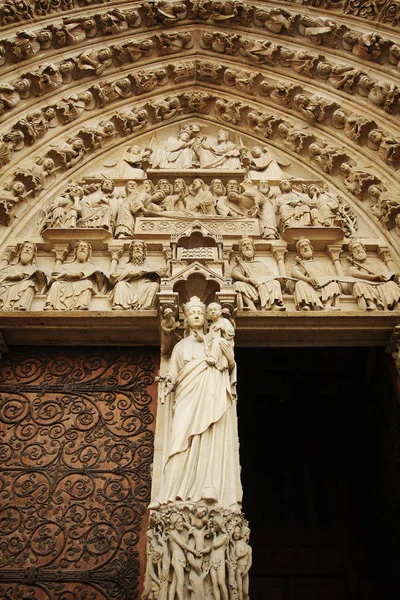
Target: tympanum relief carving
{"x": 108, "y": 241}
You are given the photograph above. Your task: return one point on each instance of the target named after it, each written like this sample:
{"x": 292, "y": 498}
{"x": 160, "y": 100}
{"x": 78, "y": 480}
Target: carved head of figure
{"x": 180, "y": 187}
{"x": 339, "y": 118}
{"x": 176, "y": 521}
{"x": 184, "y": 135}
{"x": 264, "y": 187}
{"x": 107, "y": 186}
{"x": 48, "y": 165}
{"x": 27, "y": 253}
{"x": 137, "y": 252}
{"x": 357, "y": 250}
{"x": 218, "y": 523}
{"x": 246, "y": 248}
{"x": 200, "y": 510}
{"x": 233, "y": 186}
{"x": 313, "y": 190}
{"x": 217, "y": 187}
{"x": 222, "y": 136}
{"x": 195, "y": 315}
{"x": 18, "y": 188}
{"x": 214, "y": 311}
{"x": 304, "y": 248}
{"x": 82, "y": 251}
{"x": 198, "y": 184}
{"x": 375, "y": 137}
{"x": 285, "y": 186}
{"x": 147, "y": 186}
{"x": 256, "y": 151}
{"x": 130, "y": 186}
{"x": 78, "y": 145}
{"x": 164, "y": 186}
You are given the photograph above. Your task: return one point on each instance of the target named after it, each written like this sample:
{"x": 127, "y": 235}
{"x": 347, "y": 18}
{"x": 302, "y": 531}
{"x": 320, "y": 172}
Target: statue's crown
{"x": 194, "y": 301}
{"x": 300, "y": 239}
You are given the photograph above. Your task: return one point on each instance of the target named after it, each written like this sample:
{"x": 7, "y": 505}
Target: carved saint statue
{"x": 222, "y": 154}
{"x": 376, "y": 288}
{"x": 316, "y": 288}
{"x": 202, "y": 458}
{"x": 75, "y": 282}
{"x": 254, "y": 281}
{"x": 137, "y": 282}
{"x": 20, "y": 281}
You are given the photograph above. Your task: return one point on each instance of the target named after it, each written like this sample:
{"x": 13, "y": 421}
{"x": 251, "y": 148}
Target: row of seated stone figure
{"x": 116, "y": 209}
{"x": 133, "y": 285}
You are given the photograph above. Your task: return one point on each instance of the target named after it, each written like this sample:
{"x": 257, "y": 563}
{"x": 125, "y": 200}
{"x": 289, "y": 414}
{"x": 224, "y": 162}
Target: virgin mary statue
{"x": 202, "y": 458}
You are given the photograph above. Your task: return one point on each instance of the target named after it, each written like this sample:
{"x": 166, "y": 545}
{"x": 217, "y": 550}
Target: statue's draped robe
{"x": 18, "y": 295}
{"x": 135, "y": 286}
{"x": 203, "y": 454}
{"x": 268, "y": 287}
{"x": 66, "y": 294}
{"x": 305, "y": 294}
{"x": 385, "y": 294}
{"x": 223, "y": 155}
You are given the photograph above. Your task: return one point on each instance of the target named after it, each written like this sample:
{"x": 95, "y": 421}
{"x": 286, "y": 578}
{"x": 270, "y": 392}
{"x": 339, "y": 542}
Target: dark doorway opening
{"x": 316, "y": 471}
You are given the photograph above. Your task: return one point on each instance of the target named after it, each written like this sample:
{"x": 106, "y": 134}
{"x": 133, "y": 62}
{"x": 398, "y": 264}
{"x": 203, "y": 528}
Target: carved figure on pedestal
{"x": 64, "y": 209}
{"x": 314, "y": 289}
{"x": 137, "y": 282}
{"x": 21, "y": 280}
{"x": 96, "y": 210}
{"x": 223, "y": 154}
{"x": 377, "y": 288}
{"x": 177, "y": 154}
{"x": 254, "y": 281}
{"x": 218, "y": 557}
{"x": 202, "y": 460}
{"x": 74, "y": 283}
{"x": 242, "y": 555}
{"x": 292, "y": 207}
{"x": 324, "y": 207}
{"x": 178, "y": 546}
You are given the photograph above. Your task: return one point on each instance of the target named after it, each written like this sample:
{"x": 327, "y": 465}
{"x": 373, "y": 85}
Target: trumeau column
{"x": 195, "y": 512}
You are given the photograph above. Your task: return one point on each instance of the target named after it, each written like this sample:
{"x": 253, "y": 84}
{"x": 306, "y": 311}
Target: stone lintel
{"x": 141, "y": 328}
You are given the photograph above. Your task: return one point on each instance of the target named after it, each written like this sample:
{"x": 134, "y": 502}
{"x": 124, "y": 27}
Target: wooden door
{"x": 76, "y": 447}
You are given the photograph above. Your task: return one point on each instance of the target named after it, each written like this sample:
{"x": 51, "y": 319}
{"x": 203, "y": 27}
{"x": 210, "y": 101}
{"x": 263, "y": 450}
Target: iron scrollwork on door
{"x": 76, "y": 446}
